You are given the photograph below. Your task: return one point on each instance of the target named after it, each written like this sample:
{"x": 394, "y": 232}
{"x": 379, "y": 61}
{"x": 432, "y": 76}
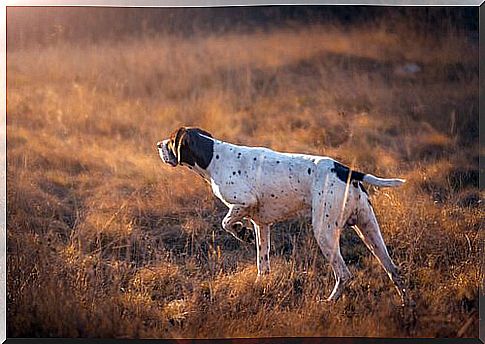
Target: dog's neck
{"x": 204, "y": 173}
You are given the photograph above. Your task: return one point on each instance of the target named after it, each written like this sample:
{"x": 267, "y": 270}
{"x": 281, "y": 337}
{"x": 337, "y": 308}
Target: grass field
{"x": 106, "y": 241}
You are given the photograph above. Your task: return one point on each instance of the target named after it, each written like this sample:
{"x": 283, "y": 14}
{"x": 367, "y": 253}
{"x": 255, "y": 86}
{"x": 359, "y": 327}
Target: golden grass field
{"x": 104, "y": 240}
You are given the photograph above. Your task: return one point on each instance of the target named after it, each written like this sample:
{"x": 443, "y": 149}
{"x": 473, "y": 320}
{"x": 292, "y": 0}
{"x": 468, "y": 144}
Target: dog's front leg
{"x": 233, "y": 217}
{"x": 262, "y": 235}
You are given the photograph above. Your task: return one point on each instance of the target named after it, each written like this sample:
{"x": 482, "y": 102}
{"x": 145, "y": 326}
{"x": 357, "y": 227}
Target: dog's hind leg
{"x": 328, "y": 240}
{"x": 325, "y": 217}
{"x": 368, "y": 230}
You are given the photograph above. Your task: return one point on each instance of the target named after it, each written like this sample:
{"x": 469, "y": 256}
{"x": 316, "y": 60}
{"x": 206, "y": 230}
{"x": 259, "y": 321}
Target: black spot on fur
{"x": 233, "y": 173}
{"x": 277, "y": 162}
{"x": 309, "y": 171}
{"x": 342, "y": 172}
{"x": 217, "y": 156}
{"x": 239, "y": 172}
{"x": 254, "y": 159}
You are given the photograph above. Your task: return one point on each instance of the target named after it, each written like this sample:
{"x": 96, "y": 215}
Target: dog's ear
{"x": 175, "y": 141}
{"x": 177, "y": 136}
{"x": 200, "y": 146}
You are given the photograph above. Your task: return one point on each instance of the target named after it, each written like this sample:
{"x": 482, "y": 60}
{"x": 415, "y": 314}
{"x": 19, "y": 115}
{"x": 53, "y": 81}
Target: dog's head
{"x": 188, "y": 146}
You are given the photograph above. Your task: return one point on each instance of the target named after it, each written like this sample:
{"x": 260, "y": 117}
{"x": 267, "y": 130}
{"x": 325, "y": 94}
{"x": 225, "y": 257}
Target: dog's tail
{"x": 342, "y": 173}
{"x": 371, "y": 179}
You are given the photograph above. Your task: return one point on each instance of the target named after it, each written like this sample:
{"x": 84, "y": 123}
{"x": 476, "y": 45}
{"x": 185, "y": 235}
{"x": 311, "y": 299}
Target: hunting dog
{"x": 266, "y": 186}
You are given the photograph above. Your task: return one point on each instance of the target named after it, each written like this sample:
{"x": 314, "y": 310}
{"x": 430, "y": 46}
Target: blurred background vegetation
{"x": 42, "y": 25}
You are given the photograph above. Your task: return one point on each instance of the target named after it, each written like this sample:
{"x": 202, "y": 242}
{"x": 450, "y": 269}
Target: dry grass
{"x": 105, "y": 241}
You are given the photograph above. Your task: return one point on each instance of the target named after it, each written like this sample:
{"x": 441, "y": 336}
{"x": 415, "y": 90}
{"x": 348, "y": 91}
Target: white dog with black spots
{"x": 266, "y": 186}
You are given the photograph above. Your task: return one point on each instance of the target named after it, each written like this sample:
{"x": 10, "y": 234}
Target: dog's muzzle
{"x": 166, "y": 154}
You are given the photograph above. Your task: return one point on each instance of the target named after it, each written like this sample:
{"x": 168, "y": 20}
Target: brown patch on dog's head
{"x": 191, "y": 146}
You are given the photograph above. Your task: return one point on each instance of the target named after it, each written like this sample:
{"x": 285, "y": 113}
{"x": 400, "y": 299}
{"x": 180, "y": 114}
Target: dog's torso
{"x": 276, "y": 185}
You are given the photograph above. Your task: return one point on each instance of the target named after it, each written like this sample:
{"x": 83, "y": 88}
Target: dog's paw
{"x": 246, "y": 234}
{"x": 241, "y": 233}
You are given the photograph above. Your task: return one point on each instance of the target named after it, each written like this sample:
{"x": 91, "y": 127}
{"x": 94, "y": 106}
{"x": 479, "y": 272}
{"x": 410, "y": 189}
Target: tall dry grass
{"x": 105, "y": 241}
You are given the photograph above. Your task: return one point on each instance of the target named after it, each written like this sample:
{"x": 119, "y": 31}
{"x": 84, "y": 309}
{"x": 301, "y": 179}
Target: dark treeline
{"x": 48, "y": 25}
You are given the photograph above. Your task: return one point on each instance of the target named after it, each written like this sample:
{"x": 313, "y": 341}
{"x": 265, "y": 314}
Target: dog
{"x": 266, "y": 186}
